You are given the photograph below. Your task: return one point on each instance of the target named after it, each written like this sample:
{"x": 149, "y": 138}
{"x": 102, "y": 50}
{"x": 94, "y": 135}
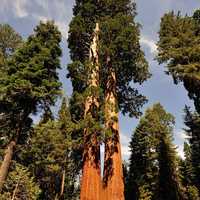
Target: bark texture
{"x": 4, "y": 169}
{"x": 113, "y": 185}
{"x": 91, "y": 178}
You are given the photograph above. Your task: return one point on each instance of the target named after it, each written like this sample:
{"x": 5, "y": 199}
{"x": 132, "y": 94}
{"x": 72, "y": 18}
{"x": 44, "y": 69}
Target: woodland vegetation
{"x": 58, "y": 158}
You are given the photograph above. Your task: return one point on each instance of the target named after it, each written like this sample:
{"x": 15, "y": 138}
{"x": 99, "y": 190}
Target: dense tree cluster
{"x": 57, "y": 155}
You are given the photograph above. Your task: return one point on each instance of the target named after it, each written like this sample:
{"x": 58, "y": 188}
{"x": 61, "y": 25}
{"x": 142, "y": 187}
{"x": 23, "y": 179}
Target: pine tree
{"x": 10, "y": 40}
{"x": 143, "y": 167}
{"x": 31, "y": 84}
{"x": 153, "y": 163}
{"x": 192, "y": 121}
{"x": 49, "y": 156}
{"x": 20, "y": 185}
{"x": 71, "y": 170}
{"x": 169, "y": 181}
{"x": 186, "y": 166}
{"x": 178, "y": 47}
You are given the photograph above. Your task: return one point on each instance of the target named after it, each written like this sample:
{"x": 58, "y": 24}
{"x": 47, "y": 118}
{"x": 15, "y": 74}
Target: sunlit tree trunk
{"x": 4, "y": 169}
{"x": 113, "y": 186}
{"x": 62, "y": 185}
{"x": 8, "y": 155}
{"x": 91, "y": 178}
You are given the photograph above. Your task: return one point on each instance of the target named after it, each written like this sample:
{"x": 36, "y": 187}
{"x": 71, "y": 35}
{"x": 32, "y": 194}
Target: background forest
{"x": 73, "y": 84}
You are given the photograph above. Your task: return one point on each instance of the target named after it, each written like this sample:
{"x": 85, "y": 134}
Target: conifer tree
{"x": 178, "y": 47}
{"x": 169, "y": 181}
{"x": 10, "y": 40}
{"x": 84, "y": 73}
{"x": 192, "y": 121}
{"x": 31, "y": 83}
{"x": 186, "y": 166}
{"x": 143, "y": 167}
{"x": 153, "y": 163}
{"x": 51, "y": 149}
{"x": 121, "y": 62}
{"x": 20, "y": 185}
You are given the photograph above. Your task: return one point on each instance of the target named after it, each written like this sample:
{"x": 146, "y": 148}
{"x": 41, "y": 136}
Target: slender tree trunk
{"x": 4, "y": 169}
{"x": 91, "y": 178}
{"x": 15, "y": 190}
{"x": 9, "y": 151}
{"x": 62, "y": 185}
{"x": 113, "y": 172}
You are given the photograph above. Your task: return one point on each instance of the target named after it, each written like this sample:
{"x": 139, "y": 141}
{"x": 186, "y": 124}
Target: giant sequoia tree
{"x": 30, "y": 83}
{"x": 84, "y": 73}
{"x": 122, "y": 64}
{"x": 107, "y": 60}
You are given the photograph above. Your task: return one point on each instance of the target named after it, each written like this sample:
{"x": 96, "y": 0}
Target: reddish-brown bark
{"x": 4, "y": 169}
{"x": 113, "y": 185}
{"x": 91, "y": 178}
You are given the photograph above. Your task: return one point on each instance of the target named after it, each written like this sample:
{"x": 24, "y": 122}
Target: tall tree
{"x": 153, "y": 163}
{"x": 31, "y": 84}
{"x": 49, "y": 156}
{"x": 10, "y": 40}
{"x": 178, "y": 47}
{"x": 84, "y": 73}
{"x": 143, "y": 170}
{"x": 122, "y": 63}
{"x": 192, "y": 121}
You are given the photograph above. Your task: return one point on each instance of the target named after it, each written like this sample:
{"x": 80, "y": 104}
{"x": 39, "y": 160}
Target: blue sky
{"x": 24, "y": 15}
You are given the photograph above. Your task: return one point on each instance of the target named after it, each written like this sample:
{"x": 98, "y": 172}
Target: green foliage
{"x": 51, "y": 154}
{"x": 169, "y": 180}
{"x": 192, "y": 121}
{"x": 179, "y": 48}
{"x": 192, "y": 193}
{"x": 9, "y": 40}
{"x": 186, "y": 166}
{"x": 31, "y": 80}
{"x": 119, "y": 40}
{"x": 20, "y": 185}
{"x": 153, "y": 161}
{"x": 120, "y": 52}
{"x": 144, "y": 193}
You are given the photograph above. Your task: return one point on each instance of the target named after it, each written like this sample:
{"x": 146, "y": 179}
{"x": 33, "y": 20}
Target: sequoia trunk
{"x": 113, "y": 173}
{"x": 91, "y": 178}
